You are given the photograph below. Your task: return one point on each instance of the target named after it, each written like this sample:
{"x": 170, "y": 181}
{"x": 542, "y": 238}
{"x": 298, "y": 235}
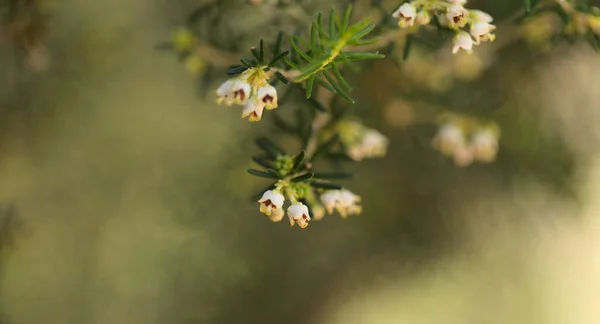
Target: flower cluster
{"x": 361, "y": 142}
{"x": 250, "y": 89}
{"x": 465, "y": 148}
{"x": 304, "y": 204}
{"x": 450, "y": 14}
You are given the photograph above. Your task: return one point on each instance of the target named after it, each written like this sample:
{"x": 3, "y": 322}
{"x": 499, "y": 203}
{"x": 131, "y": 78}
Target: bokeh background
{"x": 134, "y": 205}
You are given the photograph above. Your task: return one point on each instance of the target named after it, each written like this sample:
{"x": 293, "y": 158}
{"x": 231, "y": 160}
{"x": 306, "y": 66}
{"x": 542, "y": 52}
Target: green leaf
{"x": 278, "y": 58}
{"x": 362, "y": 33}
{"x": 278, "y": 41}
{"x": 324, "y": 84}
{"x": 325, "y": 185}
{"x": 269, "y": 147}
{"x": 309, "y": 86}
{"x": 261, "y": 54}
{"x": 262, "y": 162}
{"x": 249, "y": 62}
{"x": 281, "y": 77}
{"x": 407, "y": 46}
{"x": 527, "y": 4}
{"x": 340, "y": 78}
{"x": 333, "y": 175}
{"x": 346, "y": 20}
{"x": 299, "y": 161}
{"x": 354, "y": 56}
{"x": 314, "y": 38}
{"x": 262, "y": 174}
{"x": 337, "y": 88}
{"x": 363, "y": 42}
{"x": 310, "y": 69}
{"x": 332, "y": 17}
{"x": 298, "y": 50}
{"x": 237, "y": 70}
{"x": 303, "y": 177}
{"x": 290, "y": 63}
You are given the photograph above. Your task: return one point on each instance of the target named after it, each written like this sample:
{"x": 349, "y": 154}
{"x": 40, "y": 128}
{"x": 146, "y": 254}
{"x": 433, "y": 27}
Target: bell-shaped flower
{"x": 224, "y": 92}
{"x": 318, "y": 211}
{"x": 271, "y": 203}
{"x": 462, "y": 41}
{"x": 484, "y": 144}
{"x": 240, "y": 91}
{"x": 268, "y": 95}
{"x": 348, "y": 203}
{"x": 253, "y": 109}
{"x": 298, "y": 214}
{"x": 423, "y": 18}
{"x": 277, "y": 215}
{"x": 374, "y": 144}
{"x": 482, "y": 32}
{"x": 448, "y": 138}
{"x": 480, "y": 16}
{"x": 330, "y": 200}
{"x": 406, "y": 15}
{"x": 457, "y": 16}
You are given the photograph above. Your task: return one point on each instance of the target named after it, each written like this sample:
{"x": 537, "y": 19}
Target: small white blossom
{"x": 462, "y": 40}
{"x": 343, "y": 201}
{"x": 484, "y": 144}
{"x": 460, "y": 2}
{"x": 298, "y": 214}
{"x": 277, "y": 215}
{"x": 348, "y": 203}
{"x": 448, "y": 138}
{"x": 330, "y": 200}
{"x": 318, "y": 211}
{"x": 240, "y": 90}
{"x": 423, "y": 18}
{"x": 253, "y": 110}
{"x": 480, "y": 16}
{"x": 224, "y": 92}
{"x": 457, "y": 16}
{"x": 271, "y": 203}
{"x": 482, "y": 32}
{"x": 406, "y": 14}
{"x": 371, "y": 144}
{"x": 268, "y": 95}
{"x": 463, "y": 155}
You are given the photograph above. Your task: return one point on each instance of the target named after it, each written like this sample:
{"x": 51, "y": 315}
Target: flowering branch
{"x": 314, "y": 63}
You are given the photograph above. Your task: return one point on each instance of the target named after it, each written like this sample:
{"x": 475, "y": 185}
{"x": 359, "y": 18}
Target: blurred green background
{"x": 134, "y": 196}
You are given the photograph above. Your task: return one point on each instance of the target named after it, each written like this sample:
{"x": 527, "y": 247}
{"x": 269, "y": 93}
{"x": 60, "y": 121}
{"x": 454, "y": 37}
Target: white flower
{"x": 460, "y": 2}
{"x": 253, "y": 110}
{"x": 370, "y": 144}
{"x": 224, "y": 92}
{"x": 406, "y": 14}
{"x": 330, "y": 200}
{"x": 374, "y": 143}
{"x": 457, "y": 16}
{"x": 463, "y": 155}
{"x": 343, "y": 201}
{"x": 268, "y": 95}
{"x": 277, "y": 215}
{"x": 484, "y": 144}
{"x": 318, "y": 211}
{"x": 271, "y": 203}
{"x": 480, "y": 16}
{"x": 240, "y": 91}
{"x": 348, "y": 203}
{"x": 462, "y": 40}
{"x": 298, "y": 213}
{"x": 482, "y": 31}
{"x": 423, "y": 17}
{"x": 448, "y": 138}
